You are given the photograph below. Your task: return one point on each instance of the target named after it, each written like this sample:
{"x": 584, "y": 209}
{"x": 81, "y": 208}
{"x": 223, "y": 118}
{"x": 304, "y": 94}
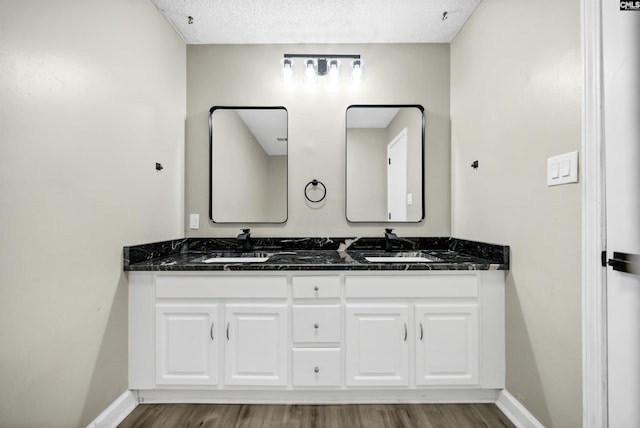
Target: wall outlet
{"x": 194, "y": 221}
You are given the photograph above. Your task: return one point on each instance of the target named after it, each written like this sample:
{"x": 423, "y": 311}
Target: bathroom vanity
{"x": 315, "y": 321}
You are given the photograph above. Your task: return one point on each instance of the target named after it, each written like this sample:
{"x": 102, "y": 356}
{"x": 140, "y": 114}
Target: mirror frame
{"x": 422, "y": 161}
{"x": 286, "y": 190}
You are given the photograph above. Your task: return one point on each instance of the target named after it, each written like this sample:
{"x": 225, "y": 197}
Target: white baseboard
{"x": 516, "y": 412}
{"x": 125, "y": 403}
{"x": 320, "y": 396}
{"x": 116, "y": 412}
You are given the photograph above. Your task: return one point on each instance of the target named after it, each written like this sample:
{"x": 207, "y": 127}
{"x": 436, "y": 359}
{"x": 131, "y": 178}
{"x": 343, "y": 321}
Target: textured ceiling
{"x": 319, "y": 21}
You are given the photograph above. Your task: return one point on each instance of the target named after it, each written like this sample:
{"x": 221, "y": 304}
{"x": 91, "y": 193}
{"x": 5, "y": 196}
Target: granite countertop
{"x": 188, "y": 254}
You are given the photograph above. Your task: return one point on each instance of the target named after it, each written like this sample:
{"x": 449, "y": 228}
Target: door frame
{"x": 594, "y": 302}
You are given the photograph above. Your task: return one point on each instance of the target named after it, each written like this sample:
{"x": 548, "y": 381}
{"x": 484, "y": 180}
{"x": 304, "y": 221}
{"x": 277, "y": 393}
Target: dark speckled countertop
{"x": 314, "y": 254}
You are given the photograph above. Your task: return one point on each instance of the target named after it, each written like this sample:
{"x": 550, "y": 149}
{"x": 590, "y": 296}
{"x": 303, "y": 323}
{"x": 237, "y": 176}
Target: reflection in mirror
{"x": 385, "y": 163}
{"x": 248, "y": 164}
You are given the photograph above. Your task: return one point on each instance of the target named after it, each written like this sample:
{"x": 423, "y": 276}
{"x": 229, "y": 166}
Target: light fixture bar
{"x": 316, "y": 56}
{"x": 319, "y": 65}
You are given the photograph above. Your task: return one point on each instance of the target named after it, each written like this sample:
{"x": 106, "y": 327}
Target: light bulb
{"x": 310, "y": 70}
{"x": 287, "y": 69}
{"x": 334, "y": 70}
{"x": 357, "y": 71}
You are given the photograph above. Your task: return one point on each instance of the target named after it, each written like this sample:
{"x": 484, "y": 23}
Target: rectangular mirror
{"x": 248, "y": 164}
{"x": 385, "y": 163}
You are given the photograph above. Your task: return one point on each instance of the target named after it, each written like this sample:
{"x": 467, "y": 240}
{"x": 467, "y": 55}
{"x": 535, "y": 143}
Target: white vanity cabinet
{"x": 425, "y": 330}
{"x": 207, "y": 331}
{"x": 316, "y": 336}
{"x": 186, "y": 344}
{"x": 316, "y": 331}
{"x": 377, "y": 345}
{"x": 447, "y": 347}
{"x": 256, "y": 344}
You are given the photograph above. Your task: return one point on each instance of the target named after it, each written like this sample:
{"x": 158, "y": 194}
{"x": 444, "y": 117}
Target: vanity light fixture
{"x": 322, "y": 65}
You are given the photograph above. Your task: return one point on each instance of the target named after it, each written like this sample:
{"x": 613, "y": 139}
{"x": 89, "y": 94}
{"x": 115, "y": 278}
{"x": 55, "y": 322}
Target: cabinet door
{"x": 377, "y": 345}
{"x": 256, "y": 344}
{"x": 186, "y": 344}
{"x": 447, "y": 344}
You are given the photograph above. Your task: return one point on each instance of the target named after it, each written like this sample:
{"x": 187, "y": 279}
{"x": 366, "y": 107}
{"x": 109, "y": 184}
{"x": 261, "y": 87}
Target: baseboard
{"x": 319, "y": 396}
{"x": 116, "y": 412}
{"x": 516, "y": 412}
{"x": 125, "y": 403}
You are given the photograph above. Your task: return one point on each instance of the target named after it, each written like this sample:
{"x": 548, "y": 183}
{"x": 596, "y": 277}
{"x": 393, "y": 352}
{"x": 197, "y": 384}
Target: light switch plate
{"x": 562, "y": 169}
{"x": 194, "y": 221}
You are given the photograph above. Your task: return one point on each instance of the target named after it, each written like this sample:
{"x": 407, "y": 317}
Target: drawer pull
{"x": 316, "y": 326}
{"x": 316, "y": 288}
{"x": 316, "y": 369}
{"x": 421, "y": 332}
{"x": 405, "y": 332}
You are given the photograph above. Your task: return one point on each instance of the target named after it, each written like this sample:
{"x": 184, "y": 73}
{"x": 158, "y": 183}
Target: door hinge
{"x": 603, "y": 258}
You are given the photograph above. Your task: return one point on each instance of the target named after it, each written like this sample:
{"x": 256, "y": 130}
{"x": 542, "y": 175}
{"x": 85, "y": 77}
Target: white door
{"x": 186, "y": 345}
{"x": 377, "y": 345}
{"x": 621, "y": 81}
{"x": 255, "y": 344}
{"x": 447, "y": 344}
{"x": 397, "y": 177}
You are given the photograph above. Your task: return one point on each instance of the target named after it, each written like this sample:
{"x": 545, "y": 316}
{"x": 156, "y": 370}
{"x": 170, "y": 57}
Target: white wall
{"x": 367, "y": 172}
{"x": 93, "y": 94}
{"x": 249, "y": 75}
{"x": 515, "y": 101}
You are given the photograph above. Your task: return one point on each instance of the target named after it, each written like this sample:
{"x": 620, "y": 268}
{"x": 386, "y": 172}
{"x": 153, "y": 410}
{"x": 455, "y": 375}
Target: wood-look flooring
{"x": 316, "y": 416}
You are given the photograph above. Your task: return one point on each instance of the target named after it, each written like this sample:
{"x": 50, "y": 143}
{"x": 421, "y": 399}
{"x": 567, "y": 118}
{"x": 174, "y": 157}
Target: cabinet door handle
{"x": 316, "y": 369}
{"x": 211, "y": 331}
{"x": 421, "y": 332}
{"x": 316, "y": 326}
{"x": 227, "y": 331}
{"x": 405, "y": 332}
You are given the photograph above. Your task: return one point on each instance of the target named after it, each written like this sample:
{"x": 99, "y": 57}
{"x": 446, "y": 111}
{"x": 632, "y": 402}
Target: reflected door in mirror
{"x": 385, "y": 163}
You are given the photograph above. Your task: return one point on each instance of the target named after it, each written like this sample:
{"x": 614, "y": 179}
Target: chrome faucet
{"x": 389, "y": 238}
{"x": 245, "y": 239}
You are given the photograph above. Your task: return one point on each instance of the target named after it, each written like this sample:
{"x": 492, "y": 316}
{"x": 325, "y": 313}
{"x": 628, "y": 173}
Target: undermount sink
{"x": 401, "y": 257}
{"x": 234, "y": 258}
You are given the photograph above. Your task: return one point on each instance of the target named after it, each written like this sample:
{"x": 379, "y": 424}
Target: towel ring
{"x": 314, "y": 183}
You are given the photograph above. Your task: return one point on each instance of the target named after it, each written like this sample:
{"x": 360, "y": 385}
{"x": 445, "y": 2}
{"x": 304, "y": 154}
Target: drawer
{"x": 316, "y": 323}
{"x": 461, "y": 285}
{"x": 316, "y": 367}
{"x": 220, "y": 286}
{"x": 316, "y": 287}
